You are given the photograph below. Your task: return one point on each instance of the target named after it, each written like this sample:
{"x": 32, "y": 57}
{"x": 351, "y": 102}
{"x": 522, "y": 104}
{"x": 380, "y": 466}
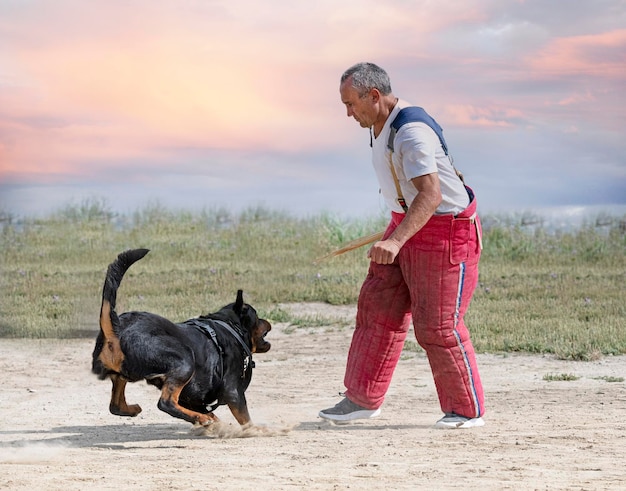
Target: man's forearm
{"x": 421, "y": 209}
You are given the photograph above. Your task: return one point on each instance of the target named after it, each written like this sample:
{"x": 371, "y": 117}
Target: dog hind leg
{"x": 180, "y": 373}
{"x": 118, "y": 405}
{"x": 169, "y": 404}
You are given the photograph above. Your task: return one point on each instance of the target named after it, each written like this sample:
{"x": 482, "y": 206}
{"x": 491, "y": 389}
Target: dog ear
{"x": 238, "y": 308}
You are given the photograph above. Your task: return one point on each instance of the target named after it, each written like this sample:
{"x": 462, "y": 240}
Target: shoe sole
{"x": 364, "y": 414}
{"x": 470, "y": 423}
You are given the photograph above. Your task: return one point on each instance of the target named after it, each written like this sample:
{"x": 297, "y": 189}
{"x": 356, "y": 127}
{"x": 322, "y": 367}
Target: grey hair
{"x": 368, "y": 76}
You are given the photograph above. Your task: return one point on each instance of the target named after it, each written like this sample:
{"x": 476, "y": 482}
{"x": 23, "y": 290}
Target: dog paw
{"x": 207, "y": 420}
{"x": 132, "y": 410}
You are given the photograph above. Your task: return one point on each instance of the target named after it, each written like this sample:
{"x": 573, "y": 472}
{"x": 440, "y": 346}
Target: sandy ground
{"x": 56, "y": 432}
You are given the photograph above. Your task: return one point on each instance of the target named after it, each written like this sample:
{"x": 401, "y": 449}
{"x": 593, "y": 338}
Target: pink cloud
{"x": 126, "y": 82}
{"x": 489, "y": 116}
{"x": 602, "y": 55}
{"x": 129, "y": 97}
{"x": 129, "y": 83}
{"x": 583, "y": 98}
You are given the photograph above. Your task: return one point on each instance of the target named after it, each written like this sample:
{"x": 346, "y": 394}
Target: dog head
{"x": 250, "y": 322}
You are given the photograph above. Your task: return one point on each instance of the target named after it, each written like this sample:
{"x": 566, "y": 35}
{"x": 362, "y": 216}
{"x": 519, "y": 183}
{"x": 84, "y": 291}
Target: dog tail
{"x": 116, "y": 271}
{"x": 111, "y": 355}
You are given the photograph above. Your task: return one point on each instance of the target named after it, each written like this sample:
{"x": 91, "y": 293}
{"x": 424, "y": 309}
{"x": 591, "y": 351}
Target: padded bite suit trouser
{"x": 431, "y": 282}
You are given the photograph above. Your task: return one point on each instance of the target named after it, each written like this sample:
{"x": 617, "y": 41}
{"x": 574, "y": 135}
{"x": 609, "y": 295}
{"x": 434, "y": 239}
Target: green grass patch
{"x": 412, "y": 347}
{"x": 539, "y": 292}
{"x": 560, "y": 377}
{"x": 610, "y": 379}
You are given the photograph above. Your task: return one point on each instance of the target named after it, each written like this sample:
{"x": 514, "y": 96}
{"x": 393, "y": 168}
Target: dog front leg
{"x": 240, "y": 412}
{"x": 118, "y": 405}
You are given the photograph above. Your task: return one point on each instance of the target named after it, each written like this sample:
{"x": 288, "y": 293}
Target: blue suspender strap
{"x": 415, "y": 114}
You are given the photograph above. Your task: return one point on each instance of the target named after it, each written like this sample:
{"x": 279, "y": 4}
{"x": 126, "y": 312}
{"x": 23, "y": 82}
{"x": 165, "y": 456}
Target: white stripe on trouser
{"x": 459, "y": 295}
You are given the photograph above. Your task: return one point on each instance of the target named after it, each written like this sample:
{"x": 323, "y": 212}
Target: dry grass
{"x": 539, "y": 292}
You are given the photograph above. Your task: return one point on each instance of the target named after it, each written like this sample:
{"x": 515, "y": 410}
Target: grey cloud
{"x": 569, "y": 18}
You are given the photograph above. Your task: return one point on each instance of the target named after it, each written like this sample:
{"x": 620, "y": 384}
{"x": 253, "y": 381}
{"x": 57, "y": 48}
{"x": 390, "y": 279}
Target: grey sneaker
{"x": 346, "y": 410}
{"x": 455, "y": 421}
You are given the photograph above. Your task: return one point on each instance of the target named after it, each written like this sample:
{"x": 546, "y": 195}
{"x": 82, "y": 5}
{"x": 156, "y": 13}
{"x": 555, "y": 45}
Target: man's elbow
{"x": 438, "y": 197}
{"x": 435, "y": 198}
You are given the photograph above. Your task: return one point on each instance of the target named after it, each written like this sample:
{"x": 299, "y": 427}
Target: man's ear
{"x": 375, "y": 95}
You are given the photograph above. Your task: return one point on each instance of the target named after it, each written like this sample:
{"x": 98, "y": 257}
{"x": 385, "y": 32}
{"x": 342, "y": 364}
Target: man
{"x": 425, "y": 267}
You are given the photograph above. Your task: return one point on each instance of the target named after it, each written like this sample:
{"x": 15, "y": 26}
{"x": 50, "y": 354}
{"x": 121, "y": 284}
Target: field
{"x": 547, "y": 320}
{"x": 540, "y": 291}
{"x": 550, "y": 425}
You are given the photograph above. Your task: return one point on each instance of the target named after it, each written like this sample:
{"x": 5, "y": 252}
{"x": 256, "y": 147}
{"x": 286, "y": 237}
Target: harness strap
{"x": 235, "y": 335}
{"x": 247, "y": 361}
{"x": 400, "y": 199}
{"x": 208, "y": 329}
{"x": 414, "y": 114}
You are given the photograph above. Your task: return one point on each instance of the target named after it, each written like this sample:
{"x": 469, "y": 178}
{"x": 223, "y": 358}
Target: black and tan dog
{"x": 198, "y": 364}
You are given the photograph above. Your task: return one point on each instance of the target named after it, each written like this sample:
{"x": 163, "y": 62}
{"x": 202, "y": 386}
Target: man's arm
{"x": 421, "y": 209}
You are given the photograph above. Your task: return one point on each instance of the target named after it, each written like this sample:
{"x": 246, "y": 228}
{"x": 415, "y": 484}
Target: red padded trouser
{"x": 431, "y": 282}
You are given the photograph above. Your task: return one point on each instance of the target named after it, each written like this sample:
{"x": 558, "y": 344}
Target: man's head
{"x": 367, "y": 76}
{"x": 363, "y": 89}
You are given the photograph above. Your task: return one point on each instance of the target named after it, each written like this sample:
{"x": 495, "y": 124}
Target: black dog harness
{"x": 206, "y": 328}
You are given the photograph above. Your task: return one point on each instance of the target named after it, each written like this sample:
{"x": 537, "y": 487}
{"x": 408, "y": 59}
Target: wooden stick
{"x": 355, "y": 244}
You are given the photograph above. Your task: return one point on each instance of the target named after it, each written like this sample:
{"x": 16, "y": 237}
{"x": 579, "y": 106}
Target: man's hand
{"x": 384, "y": 251}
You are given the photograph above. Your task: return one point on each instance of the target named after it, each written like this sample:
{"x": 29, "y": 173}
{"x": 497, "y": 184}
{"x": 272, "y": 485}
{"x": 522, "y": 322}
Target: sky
{"x": 203, "y": 104}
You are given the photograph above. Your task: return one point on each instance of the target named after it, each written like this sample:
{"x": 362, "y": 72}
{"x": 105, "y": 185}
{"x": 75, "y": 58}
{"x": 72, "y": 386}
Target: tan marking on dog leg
{"x": 111, "y": 355}
{"x": 241, "y": 415}
{"x": 118, "y": 405}
{"x": 169, "y": 404}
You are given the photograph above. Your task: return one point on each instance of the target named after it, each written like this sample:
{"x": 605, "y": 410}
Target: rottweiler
{"x": 198, "y": 364}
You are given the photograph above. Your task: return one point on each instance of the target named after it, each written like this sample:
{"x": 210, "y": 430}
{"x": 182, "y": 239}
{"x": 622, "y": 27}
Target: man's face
{"x": 361, "y": 108}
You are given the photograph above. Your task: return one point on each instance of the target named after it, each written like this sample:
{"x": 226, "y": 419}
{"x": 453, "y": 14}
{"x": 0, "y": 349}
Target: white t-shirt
{"x": 417, "y": 152}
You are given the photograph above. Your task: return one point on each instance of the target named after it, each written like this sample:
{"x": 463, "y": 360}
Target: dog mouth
{"x": 262, "y": 346}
